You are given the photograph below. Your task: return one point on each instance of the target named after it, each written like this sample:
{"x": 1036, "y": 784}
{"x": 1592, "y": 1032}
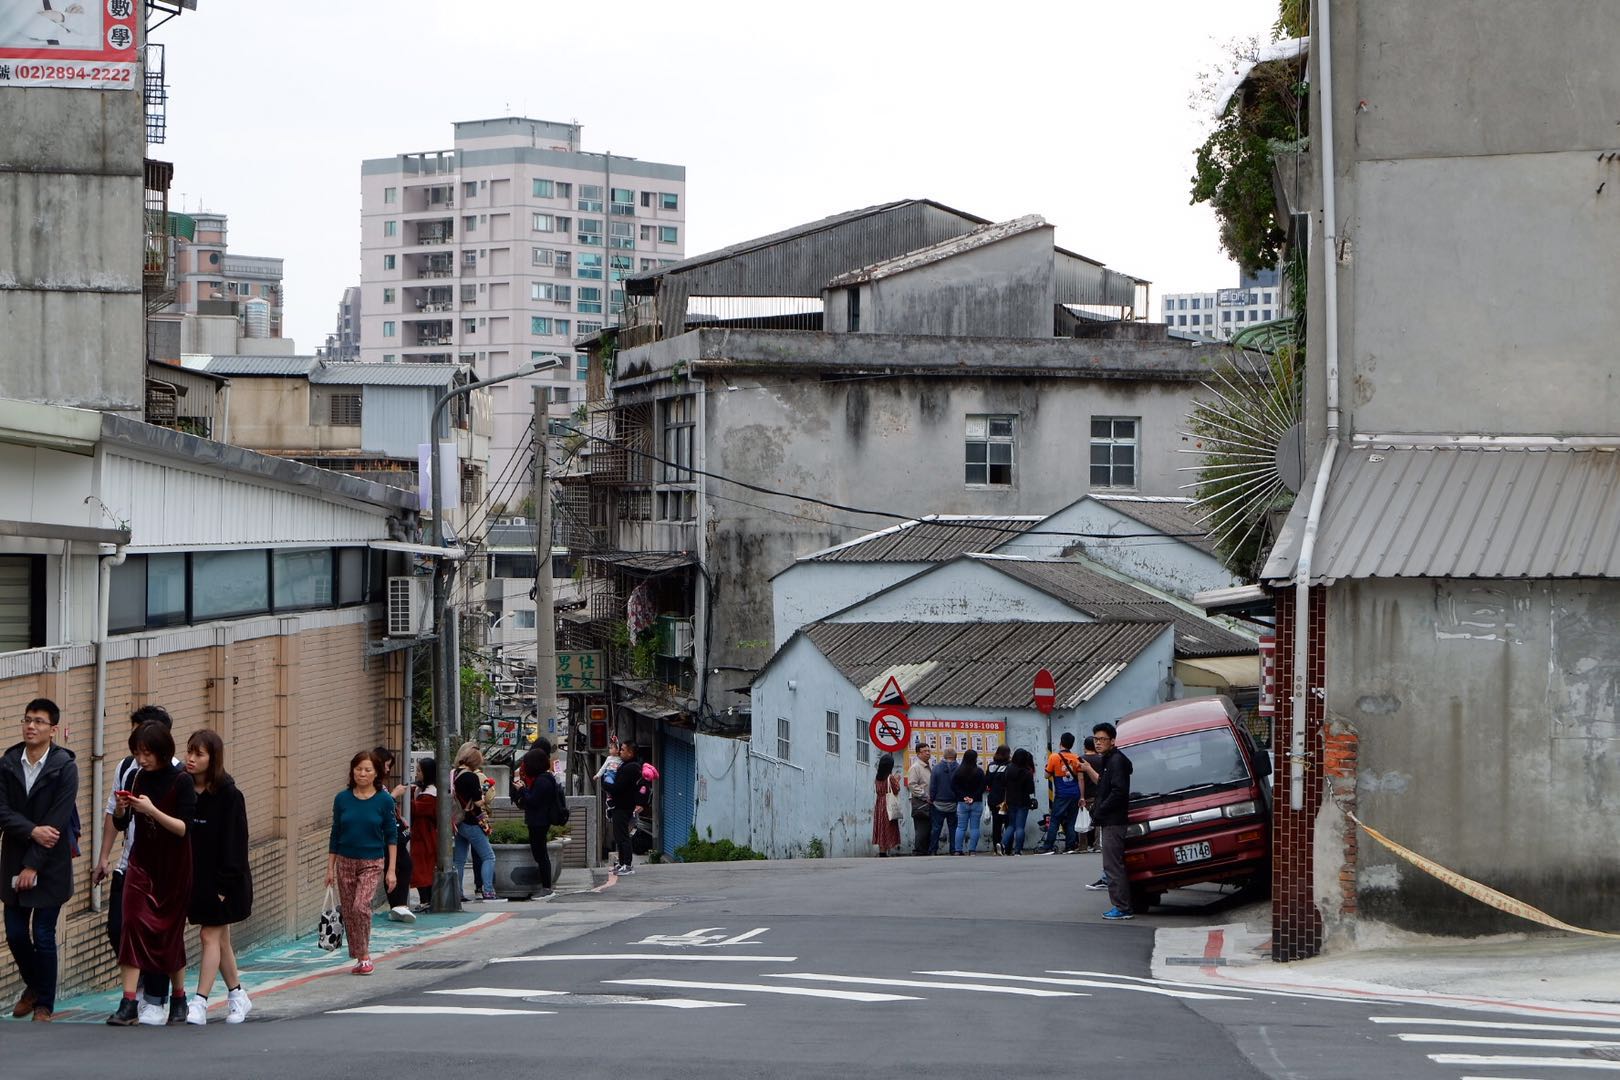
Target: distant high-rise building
{"x": 1218, "y": 315}
{"x": 343, "y": 343}
{"x": 221, "y": 298}
{"x": 506, "y": 248}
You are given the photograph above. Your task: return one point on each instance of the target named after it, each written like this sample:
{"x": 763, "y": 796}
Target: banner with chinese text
{"x": 78, "y": 44}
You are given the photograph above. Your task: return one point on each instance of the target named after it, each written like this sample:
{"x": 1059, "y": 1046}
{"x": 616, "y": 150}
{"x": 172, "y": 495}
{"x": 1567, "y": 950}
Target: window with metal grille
{"x": 784, "y": 740}
{"x": 677, "y": 421}
{"x": 343, "y": 410}
{"x": 832, "y": 733}
{"x": 863, "y": 743}
{"x": 1113, "y": 451}
{"x": 990, "y": 450}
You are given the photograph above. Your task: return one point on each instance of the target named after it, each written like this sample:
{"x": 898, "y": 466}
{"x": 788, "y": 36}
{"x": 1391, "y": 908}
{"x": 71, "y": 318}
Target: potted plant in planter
{"x": 516, "y": 876}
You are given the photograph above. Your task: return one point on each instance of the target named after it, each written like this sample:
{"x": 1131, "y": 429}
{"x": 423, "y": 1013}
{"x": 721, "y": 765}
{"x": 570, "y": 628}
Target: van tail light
{"x": 1251, "y": 836}
{"x": 1137, "y": 828}
{"x": 1243, "y": 809}
{"x": 1136, "y": 858}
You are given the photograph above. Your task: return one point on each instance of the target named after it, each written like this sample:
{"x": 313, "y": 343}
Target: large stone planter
{"x": 516, "y": 875}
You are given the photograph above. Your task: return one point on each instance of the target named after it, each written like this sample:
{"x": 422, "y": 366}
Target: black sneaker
{"x": 177, "y": 1009}
{"x": 126, "y": 1016}
{"x": 1098, "y": 885}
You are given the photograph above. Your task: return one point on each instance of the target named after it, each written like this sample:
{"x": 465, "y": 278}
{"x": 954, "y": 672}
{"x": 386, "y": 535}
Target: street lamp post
{"x": 446, "y": 662}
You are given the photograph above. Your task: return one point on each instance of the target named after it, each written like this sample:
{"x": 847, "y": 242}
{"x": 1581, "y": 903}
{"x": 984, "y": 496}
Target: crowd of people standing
{"x": 951, "y": 798}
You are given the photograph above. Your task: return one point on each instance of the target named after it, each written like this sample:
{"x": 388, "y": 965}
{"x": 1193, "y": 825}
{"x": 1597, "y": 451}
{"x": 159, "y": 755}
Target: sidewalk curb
{"x": 1235, "y": 957}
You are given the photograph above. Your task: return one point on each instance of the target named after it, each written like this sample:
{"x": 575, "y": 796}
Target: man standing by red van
{"x": 1111, "y": 813}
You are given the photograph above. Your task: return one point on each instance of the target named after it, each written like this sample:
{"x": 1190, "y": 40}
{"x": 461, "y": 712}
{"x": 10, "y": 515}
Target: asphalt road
{"x": 941, "y": 968}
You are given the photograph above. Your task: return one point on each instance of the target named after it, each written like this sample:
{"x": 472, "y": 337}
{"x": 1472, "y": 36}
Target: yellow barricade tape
{"x": 1467, "y": 886}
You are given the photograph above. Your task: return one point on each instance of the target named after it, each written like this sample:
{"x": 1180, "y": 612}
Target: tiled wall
{"x": 1296, "y": 924}
{"x": 292, "y": 708}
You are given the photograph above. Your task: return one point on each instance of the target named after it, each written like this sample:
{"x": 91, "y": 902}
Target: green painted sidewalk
{"x": 270, "y": 969}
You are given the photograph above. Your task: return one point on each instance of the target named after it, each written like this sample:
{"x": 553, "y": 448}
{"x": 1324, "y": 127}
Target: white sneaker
{"x": 239, "y": 1006}
{"x": 402, "y": 914}
{"x": 152, "y": 1015}
{"x": 197, "y": 1011}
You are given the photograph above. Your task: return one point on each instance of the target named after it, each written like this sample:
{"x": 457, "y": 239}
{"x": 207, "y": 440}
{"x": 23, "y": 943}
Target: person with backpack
{"x": 467, "y": 784}
{"x": 625, "y": 796}
{"x": 995, "y": 794}
{"x": 1063, "y": 774}
{"x": 535, "y": 790}
{"x": 39, "y": 783}
{"x": 154, "y": 985}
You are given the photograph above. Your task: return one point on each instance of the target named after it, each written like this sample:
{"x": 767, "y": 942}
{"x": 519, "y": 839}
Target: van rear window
{"x": 1185, "y": 764}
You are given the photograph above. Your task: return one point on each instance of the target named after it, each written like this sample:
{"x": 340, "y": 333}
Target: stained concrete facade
{"x": 769, "y": 415}
{"x": 1489, "y": 740}
{"x": 1473, "y": 720}
{"x": 72, "y": 246}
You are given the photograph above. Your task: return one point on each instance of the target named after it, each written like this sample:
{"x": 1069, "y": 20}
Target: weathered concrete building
{"x": 1461, "y": 645}
{"x": 780, "y": 396}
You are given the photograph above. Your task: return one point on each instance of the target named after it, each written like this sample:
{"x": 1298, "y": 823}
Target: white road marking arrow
{"x": 921, "y": 984}
{"x": 760, "y": 988}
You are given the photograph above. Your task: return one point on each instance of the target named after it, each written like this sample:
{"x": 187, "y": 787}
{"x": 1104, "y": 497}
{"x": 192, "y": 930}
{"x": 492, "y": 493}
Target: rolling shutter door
{"x": 679, "y": 801}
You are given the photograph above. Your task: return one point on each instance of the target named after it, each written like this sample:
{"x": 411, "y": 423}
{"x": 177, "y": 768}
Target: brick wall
{"x": 293, "y": 705}
{"x": 1296, "y": 923}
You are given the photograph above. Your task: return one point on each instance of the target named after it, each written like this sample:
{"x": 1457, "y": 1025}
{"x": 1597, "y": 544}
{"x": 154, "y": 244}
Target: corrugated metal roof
{"x": 985, "y": 664}
{"x": 262, "y": 365}
{"x": 349, "y": 373}
{"x": 1171, "y": 516}
{"x": 935, "y": 538}
{"x": 1104, "y": 597}
{"x": 1462, "y": 512}
{"x": 983, "y": 236}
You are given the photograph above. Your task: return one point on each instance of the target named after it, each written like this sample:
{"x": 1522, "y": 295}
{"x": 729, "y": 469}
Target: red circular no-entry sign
{"x": 1045, "y": 691}
{"x": 890, "y": 730}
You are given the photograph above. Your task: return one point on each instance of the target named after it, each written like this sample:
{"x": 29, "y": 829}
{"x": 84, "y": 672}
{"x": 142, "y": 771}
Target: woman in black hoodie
{"x": 221, "y": 885}
{"x": 968, "y": 784}
{"x": 1020, "y": 793}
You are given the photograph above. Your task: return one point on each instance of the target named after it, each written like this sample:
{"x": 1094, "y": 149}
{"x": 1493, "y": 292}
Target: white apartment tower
{"x": 508, "y": 247}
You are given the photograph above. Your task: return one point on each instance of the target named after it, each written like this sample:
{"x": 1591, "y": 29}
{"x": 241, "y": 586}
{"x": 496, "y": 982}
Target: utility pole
{"x": 545, "y": 617}
{"x": 446, "y": 650}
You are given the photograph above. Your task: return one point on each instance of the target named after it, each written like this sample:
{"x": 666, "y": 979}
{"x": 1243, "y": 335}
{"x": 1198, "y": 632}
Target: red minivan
{"x": 1200, "y": 798}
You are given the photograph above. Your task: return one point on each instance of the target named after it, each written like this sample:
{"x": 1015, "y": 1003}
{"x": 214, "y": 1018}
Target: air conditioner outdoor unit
{"x": 677, "y": 637}
{"x": 410, "y": 606}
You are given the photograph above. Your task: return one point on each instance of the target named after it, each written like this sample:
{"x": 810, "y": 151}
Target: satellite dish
{"x": 1290, "y": 458}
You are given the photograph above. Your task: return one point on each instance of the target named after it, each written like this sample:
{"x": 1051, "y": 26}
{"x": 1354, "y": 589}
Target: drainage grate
{"x": 433, "y": 965}
{"x": 1607, "y": 1053}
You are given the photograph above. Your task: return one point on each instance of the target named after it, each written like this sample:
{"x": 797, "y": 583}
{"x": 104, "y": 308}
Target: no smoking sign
{"x": 890, "y": 730}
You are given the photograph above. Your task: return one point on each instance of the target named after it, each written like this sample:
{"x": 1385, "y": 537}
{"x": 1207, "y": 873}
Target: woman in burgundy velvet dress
{"x": 157, "y": 887}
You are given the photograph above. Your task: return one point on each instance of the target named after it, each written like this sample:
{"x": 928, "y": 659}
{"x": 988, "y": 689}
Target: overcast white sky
{"x": 1077, "y": 110}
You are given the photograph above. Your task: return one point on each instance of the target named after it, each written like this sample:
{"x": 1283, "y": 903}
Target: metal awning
{"x": 455, "y": 554}
{"x": 44, "y": 530}
{"x": 1462, "y": 510}
{"x": 647, "y": 562}
{"x": 1220, "y": 672}
{"x": 1236, "y": 600}
{"x": 651, "y": 708}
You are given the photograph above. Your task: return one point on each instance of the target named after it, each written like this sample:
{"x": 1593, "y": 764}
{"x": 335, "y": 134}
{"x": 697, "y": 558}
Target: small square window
{"x": 669, "y": 200}
{"x": 343, "y": 410}
{"x": 390, "y": 195}
{"x": 388, "y": 262}
{"x": 388, "y": 296}
{"x": 469, "y": 326}
{"x": 667, "y": 234}
{"x": 388, "y": 328}
{"x": 390, "y": 228}
{"x": 469, "y": 189}
{"x": 542, "y": 189}
{"x": 1113, "y": 451}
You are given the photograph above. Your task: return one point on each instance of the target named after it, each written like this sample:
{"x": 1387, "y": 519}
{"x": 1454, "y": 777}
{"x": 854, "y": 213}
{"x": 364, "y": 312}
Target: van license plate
{"x": 1187, "y": 853}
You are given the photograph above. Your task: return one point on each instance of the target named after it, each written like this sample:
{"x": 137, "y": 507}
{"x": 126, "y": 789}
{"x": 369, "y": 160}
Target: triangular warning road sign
{"x": 891, "y": 695}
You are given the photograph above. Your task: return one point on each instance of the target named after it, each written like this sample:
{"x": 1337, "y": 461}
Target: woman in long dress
{"x": 885, "y": 830}
{"x": 424, "y": 841}
{"x": 157, "y": 886}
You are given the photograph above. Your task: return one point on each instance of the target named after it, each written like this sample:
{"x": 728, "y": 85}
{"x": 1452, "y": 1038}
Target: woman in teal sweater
{"x": 361, "y": 850}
